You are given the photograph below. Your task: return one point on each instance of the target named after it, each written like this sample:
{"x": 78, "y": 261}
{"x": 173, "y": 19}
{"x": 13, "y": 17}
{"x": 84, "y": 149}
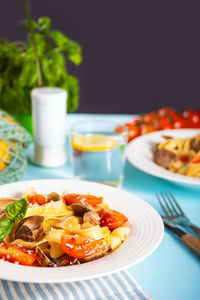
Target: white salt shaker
{"x": 49, "y": 126}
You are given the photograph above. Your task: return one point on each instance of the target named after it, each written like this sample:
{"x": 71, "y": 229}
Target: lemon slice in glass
{"x": 93, "y": 142}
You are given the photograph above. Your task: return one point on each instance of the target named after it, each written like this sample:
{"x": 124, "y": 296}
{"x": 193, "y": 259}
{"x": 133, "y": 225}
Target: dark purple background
{"x": 138, "y": 55}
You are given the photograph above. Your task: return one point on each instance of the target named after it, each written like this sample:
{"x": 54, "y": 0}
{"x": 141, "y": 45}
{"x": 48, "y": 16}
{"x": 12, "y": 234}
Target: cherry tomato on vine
{"x": 180, "y": 123}
{"x": 147, "y": 128}
{"x": 165, "y": 123}
{"x": 134, "y": 132}
{"x": 165, "y": 111}
{"x": 135, "y": 121}
{"x": 119, "y": 129}
{"x": 150, "y": 117}
{"x": 193, "y": 118}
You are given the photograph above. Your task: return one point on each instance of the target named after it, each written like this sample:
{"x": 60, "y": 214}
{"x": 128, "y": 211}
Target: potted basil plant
{"x": 40, "y": 61}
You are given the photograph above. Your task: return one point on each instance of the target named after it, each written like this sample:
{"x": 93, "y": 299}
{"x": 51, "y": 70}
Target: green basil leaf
{"x": 6, "y": 225}
{"x": 58, "y": 63}
{"x": 1, "y": 84}
{"x": 59, "y": 39}
{"x": 72, "y": 88}
{"x": 18, "y": 209}
{"x": 75, "y": 58}
{"x": 41, "y": 44}
{"x": 73, "y": 48}
{"x": 26, "y": 70}
{"x": 24, "y": 24}
{"x": 44, "y": 24}
{"x": 74, "y": 52}
{"x": 46, "y": 68}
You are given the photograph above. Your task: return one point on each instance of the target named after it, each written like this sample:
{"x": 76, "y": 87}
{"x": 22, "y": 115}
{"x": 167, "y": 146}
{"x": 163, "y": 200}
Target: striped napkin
{"x": 118, "y": 286}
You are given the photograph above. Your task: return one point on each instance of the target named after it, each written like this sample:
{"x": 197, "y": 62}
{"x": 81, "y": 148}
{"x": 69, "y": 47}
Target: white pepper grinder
{"x": 49, "y": 126}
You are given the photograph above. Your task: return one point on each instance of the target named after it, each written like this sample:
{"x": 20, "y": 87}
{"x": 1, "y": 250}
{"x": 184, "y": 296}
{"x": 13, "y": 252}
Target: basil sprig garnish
{"x": 16, "y": 212}
{"x": 6, "y": 225}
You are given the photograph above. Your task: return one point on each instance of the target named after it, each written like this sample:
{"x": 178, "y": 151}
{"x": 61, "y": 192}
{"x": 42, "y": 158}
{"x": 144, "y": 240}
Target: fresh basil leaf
{"x": 59, "y": 39}
{"x": 28, "y": 74}
{"x": 6, "y": 225}
{"x": 58, "y": 63}
{"x": 44, "y": 24}
{"x": 24, "y": 24}
{"x": 46, "y": 68}
{"x": 73, "y": 93}
{"x": 17, "y": 210}
{"x": 41, "y": 44}
{"x": 74, "y": 52}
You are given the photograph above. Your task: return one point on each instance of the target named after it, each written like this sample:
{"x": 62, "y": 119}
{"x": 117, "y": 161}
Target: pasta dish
{"x": 58, "y": 230}
{"x": 181, "y": 156}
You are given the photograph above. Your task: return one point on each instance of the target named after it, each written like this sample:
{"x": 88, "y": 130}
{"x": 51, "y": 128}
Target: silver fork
{"x": 174, "y": 212}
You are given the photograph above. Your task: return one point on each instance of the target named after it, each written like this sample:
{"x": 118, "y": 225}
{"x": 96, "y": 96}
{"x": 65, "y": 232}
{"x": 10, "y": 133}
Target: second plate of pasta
{"x": 167, "y": 154}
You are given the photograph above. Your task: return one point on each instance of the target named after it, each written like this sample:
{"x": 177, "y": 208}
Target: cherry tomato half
{"x": 112, "y": 218}
{"x": 79, "y": 246}
{"x": 38, "y": 199}
{"x": 184, "y": 158}
{"x": 75, "y": 198}
{"x": 14, "y": 253}
{"x": 196, "y": 158}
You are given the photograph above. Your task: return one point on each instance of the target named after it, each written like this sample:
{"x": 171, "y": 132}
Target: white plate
{"x": 146, "y": 233}
{"x": 139, "y": 154}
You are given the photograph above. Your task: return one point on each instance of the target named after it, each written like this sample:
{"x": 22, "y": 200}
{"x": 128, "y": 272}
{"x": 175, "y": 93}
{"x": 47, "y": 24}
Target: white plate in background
{"x": 140, "y": 155}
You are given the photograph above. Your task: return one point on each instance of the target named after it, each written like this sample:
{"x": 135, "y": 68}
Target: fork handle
{"x": 191, "y": 242}
{"x": 195, "y": 229}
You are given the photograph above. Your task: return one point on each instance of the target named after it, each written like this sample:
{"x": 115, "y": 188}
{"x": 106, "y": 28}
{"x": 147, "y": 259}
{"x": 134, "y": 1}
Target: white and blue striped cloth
{"x": 118, "y": 286}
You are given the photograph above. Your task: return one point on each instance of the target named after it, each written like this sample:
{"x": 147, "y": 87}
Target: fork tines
{"x": 170, "y": 202}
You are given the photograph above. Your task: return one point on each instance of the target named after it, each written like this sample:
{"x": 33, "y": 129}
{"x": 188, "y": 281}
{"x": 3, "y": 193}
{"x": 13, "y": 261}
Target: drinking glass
{"x": 98, "y": 151}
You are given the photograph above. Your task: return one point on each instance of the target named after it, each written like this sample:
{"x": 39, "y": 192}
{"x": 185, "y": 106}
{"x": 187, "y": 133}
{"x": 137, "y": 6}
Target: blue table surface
{"x": 172, "y": 271}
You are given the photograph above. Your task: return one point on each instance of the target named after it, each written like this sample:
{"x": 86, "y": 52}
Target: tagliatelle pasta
{"x": 65, "y": 232}
{"x": 50, "y": 209}
{"x": 181, "y": 156}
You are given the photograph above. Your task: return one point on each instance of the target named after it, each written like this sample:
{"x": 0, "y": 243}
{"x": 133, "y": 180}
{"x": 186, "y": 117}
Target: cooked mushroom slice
{"x": 164, "y": 158}
{"x": 65, "y": 260}
{"x": 29, "y": 229}
{"x": 5, "y": 201}
{"x": 79, "y": 209}
{"x": 53, "y": 197}
{"x": 43, "y": 259}
{"x": 101, "y": 252}
{"x": 92, "y": 217}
